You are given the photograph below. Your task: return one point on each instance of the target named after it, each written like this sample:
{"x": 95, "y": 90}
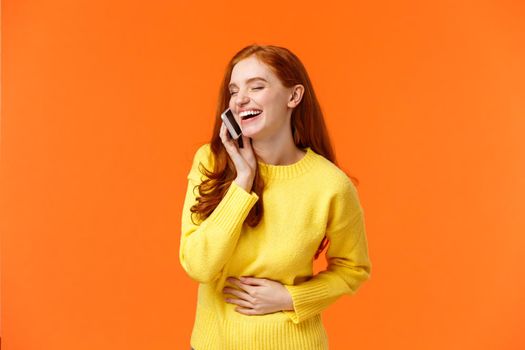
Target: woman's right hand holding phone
{"x": 243, "y": 158}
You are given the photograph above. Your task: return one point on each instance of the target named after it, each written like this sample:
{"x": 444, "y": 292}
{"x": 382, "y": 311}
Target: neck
{"x": 278, "y": 151}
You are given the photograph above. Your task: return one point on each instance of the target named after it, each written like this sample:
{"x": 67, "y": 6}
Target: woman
{"x": 253, "y": 257}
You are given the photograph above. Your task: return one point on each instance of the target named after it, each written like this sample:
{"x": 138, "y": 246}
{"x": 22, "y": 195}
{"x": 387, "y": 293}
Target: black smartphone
{"x": 233, "y": 127}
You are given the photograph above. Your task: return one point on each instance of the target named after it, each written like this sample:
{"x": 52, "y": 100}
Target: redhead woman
{"x": 255, "y": 217}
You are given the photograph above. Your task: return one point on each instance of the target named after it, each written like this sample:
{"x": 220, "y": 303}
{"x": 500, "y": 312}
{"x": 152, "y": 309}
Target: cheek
{"x": 266, "y": 99}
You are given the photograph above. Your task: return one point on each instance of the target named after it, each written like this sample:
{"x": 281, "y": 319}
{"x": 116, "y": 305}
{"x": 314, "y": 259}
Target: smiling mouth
{"x": 251, "y": 116}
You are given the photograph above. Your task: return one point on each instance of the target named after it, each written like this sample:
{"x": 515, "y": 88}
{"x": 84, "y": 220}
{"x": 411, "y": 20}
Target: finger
{"x": 240, "y": 294}
{"x": 231, "y": 291}
{"x": 239, "y": 284}
{"x": 247, "y": 311}
{"x": 234, "y": 281}
{"x": 223, "y": 133}
{"x": 228, "y": 143}
{"x": 248, "y": 151}
{"x": 245, "y": 140}
{"x": 253, "y": 281}
{"x": 240, "y": 302}
{"x": 226, "y": 137}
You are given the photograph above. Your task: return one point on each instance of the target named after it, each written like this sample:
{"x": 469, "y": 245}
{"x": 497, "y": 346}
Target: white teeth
{"x": 250, "y": 112}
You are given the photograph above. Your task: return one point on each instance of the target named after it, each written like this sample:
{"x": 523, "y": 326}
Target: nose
{"x": 241, "y": 99}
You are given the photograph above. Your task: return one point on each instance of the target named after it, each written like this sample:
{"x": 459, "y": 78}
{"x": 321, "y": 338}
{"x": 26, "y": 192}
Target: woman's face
{"x": 253, "y": 86}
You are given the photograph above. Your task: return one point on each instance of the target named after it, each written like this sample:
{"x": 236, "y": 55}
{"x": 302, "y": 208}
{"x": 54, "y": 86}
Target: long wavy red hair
{"x": 307, "y": 123}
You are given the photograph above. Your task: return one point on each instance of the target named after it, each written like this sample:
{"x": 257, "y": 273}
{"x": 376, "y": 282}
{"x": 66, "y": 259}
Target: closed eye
{"x": 255, "y": 88}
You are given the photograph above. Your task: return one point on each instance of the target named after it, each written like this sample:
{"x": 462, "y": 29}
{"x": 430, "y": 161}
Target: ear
{"x": 296, "y": 95}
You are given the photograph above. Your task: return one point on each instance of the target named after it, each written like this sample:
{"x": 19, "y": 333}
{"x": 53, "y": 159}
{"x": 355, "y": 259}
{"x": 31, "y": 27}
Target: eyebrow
{"x": 249, "y": 80}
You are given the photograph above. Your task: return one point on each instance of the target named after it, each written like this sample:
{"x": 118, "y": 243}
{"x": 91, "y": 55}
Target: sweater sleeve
{"x": 347, "y": 257}
{"x": 205, "y": 247}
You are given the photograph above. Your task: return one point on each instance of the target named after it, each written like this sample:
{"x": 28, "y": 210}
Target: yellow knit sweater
{"x": 302, "y": 202}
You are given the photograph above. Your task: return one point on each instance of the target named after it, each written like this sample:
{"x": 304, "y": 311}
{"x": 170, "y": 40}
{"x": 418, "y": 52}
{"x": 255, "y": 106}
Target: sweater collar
{"x": 271, "y": 171}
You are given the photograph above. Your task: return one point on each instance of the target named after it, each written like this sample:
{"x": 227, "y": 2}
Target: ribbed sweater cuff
{"x": 233, "y": 208}
{"x": 308, "y": 299}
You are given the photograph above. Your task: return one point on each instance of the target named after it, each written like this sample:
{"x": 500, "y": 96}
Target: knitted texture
{"x": 303, "y": 202}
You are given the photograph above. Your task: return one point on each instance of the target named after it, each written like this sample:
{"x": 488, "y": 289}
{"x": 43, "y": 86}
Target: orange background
{"x": 104, "y": 104}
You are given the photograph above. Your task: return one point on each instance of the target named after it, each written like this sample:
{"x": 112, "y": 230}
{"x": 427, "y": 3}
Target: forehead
{"x": 248, "y": 68}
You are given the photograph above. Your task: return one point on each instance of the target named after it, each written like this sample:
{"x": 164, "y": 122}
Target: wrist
{"x": 245, "y": 182}
{"x": 288, "y": 306}
{"x": 287, "y": 302}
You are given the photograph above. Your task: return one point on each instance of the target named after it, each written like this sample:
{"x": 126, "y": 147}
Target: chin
{"x": 255, "y": 130}
{"x": 251, "y": 132}
{"x": 250, "y": 135}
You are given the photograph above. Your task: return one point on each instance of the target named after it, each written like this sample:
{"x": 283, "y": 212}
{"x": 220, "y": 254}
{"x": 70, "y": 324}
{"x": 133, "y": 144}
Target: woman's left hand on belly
{"x": 258, "y": 296}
